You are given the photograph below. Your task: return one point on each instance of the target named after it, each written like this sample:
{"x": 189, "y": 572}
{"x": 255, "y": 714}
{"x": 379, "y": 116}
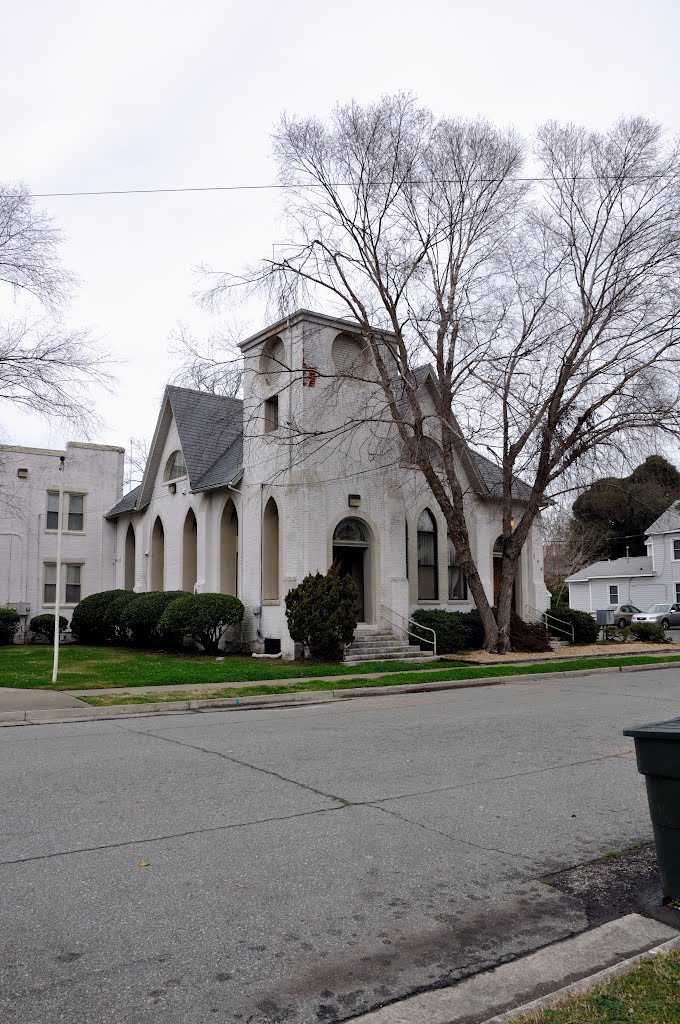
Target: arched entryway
{"x": 352, "y": 552}
{"x": 497, "y": 569}
{"x": 229, "y": 550}
{"x": 158, "y": 556}
{"x": 190, "y": 552}
{"x": 130, "y": 547}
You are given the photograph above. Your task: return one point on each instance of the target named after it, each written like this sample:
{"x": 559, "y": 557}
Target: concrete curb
{"x": 539, "y": 979}
{"x": 282, "y": 700}
{"x": 585, "y": 984}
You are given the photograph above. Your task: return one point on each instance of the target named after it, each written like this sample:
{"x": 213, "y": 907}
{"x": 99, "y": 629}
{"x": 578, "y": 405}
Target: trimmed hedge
{"x": 647, "y": 631}
{"x": 203, "y": 617}
{"x": 586, "y": 629}
{"x": 88, "y": 621}
{"x": 459, "y": 631}
{"x": 9, "y": 621}
{"x": 141, "y": 616}
{"x": 42, "y": 626}
{"x": 113, "y": 616}
{"x": 322, "y": 613}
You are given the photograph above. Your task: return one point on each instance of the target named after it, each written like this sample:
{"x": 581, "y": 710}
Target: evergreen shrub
{"x": 42, "y": 626}
{"x": 203, "y": 617}
{"x": 586, "y": 629}
{"x": 141, "y": 616}
{"x": 9, "y": 621}
{"x": 652, "y": 631}
{"x": 88, "y": 621}
{"x": 322, "y": 613}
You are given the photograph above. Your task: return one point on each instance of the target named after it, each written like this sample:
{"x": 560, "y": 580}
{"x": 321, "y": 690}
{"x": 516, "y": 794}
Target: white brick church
{"x": 248, "y": 496}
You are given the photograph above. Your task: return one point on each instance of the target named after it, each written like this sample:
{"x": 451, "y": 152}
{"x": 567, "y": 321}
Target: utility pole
{"x": 57, "y": 596}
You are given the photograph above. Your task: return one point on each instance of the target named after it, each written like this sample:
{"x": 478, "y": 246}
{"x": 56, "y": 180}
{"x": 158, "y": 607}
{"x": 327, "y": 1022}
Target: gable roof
{"x": 625, "y": 568}
{"x": 668, "y": 521}
{"x": 210, "y": 429}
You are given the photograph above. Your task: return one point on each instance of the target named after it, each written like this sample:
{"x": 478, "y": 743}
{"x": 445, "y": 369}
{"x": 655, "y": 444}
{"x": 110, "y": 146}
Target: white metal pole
{"x": 60, "y": 513}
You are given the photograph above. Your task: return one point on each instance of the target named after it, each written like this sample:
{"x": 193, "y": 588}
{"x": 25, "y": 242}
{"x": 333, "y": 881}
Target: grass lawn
{"x": 394, "y": 678}
{"x": 649, "y": 994}
{"x": 27, "y": 666}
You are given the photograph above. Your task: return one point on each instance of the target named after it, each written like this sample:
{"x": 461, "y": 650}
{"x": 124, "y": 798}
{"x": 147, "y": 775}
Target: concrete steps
{"x": 381, "y": 645}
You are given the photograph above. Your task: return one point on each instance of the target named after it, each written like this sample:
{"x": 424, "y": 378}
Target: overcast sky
{"x": 147, "y": 94}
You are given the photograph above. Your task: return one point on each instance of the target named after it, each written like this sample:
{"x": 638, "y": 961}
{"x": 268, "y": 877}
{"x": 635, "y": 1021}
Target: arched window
{"x": 350, "y": 355}
{"x": 457, "y": 584}
{"x": 175, "y": 467}
{"x": 350, "y": 531}
{"x": 229, "y": 550}
{"x": 427, "y": 557}
{"x": 158, "y": 556}
{"x": 270, "y": 552}
{"x": 273, "y": 361}
{"x": 189, "y": 552}
{"x": 130, "y": 558}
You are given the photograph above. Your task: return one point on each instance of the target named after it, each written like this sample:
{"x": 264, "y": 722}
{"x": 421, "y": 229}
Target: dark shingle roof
{"x": 225, "y": 468}
{"x": 492, "y": 476}
{"x": 208, "y": 426}
{"x": 126, "y": 504}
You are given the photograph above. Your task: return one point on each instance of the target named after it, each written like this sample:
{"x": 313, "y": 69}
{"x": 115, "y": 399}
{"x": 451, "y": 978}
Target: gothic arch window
{"x": 270, "y": 552}
{"x": 158, "y": 555}
{"x": 229, "y": 550}
{"x": 189, "y": 552}
{"x": 457, "y": 584}
{"x": 130, "y": 547}
{"x": 175, "y": 467}
{"x": 427, "y": 557}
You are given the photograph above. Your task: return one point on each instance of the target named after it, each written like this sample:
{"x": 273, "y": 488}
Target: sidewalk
{"x": 37, "y": 700}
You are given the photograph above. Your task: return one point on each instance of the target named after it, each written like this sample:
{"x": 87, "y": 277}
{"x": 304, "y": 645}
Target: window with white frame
{"x": 614, "y": 594}
{"x": 677, "y": 593}
{"x": 70, "y": 583}
{"x": 76, "y": 513}
{"x": 74, "y": 510}
{"x": 676, "y": 550}
{"x": 52, "y": 510}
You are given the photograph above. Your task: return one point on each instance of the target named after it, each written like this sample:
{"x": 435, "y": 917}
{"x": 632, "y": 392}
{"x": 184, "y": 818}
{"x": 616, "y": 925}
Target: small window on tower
{"x": 271, "y": 414}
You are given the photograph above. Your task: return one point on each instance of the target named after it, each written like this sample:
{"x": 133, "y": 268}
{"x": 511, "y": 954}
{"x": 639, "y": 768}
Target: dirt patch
{"x": 617, "y": 884}
{"x": 563, "y": 654}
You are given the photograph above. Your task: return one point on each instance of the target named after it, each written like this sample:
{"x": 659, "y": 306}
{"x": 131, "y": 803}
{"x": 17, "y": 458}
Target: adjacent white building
{"x": 249, "y": 496}
{"x": 638, "y": 580}
{"x": 92, "y": 478}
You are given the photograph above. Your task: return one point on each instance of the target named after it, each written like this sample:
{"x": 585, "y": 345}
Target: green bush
{"x": 113, "y": 616}
{"x": 647, "y": 631}
{"x": 528, "y": 636}
{"x": 449, "y": 627}
{"x": 9, "y": 621}
{"x": 141, "y": 616}
{"x": 42, "y": 626}
{"x": 203, "y": 617}
{"x": 586, "y": 629}
{"x": 322, "y": 613}
{"x": 88, "y": 621}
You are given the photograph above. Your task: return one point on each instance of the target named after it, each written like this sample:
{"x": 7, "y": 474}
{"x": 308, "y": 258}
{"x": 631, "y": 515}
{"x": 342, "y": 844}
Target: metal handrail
{"x": 409, "y": 632}
{"x": 554, "y": 623}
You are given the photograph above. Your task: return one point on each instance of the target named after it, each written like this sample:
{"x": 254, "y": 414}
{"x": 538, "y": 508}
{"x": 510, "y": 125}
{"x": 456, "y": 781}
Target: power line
{"x": 321, "y": 185}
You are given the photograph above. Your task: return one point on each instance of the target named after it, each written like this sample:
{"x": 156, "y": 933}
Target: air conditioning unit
{"x": 22, "y": 608}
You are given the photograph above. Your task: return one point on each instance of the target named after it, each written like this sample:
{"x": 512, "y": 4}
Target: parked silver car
{"x": 623, "y": 613}
{"x": 665, "y": 615}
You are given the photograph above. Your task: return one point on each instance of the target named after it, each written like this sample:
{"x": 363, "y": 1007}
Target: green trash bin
{"x": 657, "y": 748}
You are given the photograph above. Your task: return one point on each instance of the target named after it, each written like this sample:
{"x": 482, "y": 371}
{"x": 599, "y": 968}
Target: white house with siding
{"x": 249, "y": 496}
{"x": 638, "y": 580}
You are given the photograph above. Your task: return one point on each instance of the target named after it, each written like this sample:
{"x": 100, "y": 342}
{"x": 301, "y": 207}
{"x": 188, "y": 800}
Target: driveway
{"x": 305, "y": 865}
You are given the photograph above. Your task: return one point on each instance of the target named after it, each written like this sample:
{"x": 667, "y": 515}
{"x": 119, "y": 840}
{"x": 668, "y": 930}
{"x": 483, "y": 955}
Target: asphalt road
{"x": 305, "y": 865}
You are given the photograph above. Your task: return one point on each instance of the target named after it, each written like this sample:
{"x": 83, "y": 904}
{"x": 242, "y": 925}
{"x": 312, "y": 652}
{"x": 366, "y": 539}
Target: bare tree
{"x": 136, "y": 458}
{"x": 566, "y": 550}
{"x": 46, "y": 366}
{"x": 547, "y": 304}
{"x": 214, "y": 365}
